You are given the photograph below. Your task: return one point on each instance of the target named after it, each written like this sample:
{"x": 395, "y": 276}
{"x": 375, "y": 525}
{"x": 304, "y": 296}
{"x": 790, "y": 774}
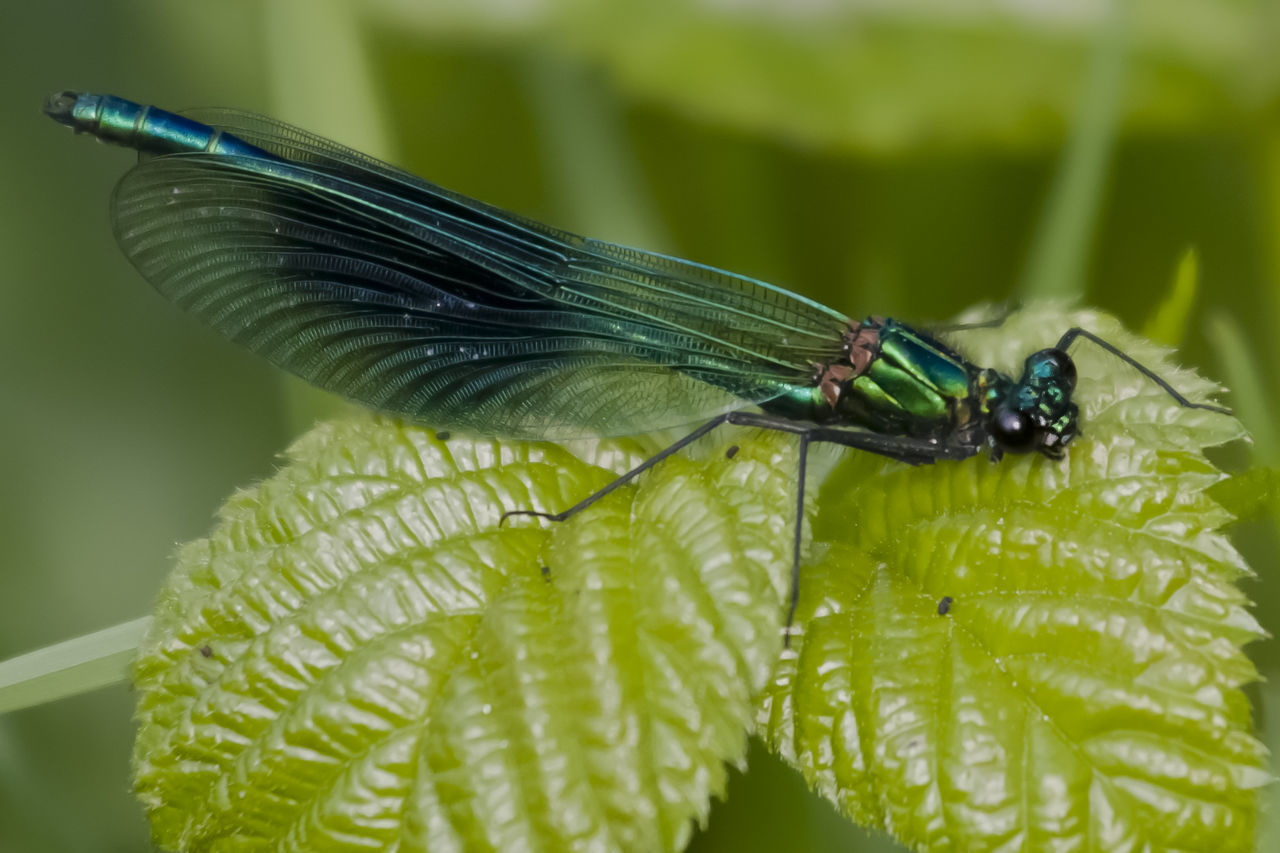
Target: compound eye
{"x": 1056, "y": 364}
{"x": 1066, "y": 368}
{"x": 1013, "y": 431}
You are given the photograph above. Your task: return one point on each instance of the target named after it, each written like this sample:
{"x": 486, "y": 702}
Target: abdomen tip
{"x": 59, "y": 106}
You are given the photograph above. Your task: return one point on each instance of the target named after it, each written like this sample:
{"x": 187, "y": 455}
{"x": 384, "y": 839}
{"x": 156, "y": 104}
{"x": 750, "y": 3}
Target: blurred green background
{"x": 896, "y": 158}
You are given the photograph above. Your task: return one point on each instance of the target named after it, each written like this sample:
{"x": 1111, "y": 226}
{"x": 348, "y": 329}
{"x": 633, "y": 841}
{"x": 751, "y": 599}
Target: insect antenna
{"x": 1071, "y": 334}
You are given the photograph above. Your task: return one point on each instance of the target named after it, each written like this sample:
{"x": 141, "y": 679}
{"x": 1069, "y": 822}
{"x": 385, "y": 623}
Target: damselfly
{"x": 391, "y": 291}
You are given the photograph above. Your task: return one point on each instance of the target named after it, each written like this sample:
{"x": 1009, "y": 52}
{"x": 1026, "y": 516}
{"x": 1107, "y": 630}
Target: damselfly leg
{"x": 1006, "y": 310}
{"x": 419, "y": 302}
{"x": 913, "y": 451}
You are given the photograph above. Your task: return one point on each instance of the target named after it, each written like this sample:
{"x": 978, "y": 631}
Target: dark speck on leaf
{"x": 731, "y": 452}
{"x": 442, "y": 435}
{"x": 205, "y": 651}
{"x": 944, "y": 606}
{"x": 546, "y": 573}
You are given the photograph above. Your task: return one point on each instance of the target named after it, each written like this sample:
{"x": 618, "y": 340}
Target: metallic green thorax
{"x": 916, "y": 384}
{"x": 894, "y": 380}
{"x": 890, "y": 379}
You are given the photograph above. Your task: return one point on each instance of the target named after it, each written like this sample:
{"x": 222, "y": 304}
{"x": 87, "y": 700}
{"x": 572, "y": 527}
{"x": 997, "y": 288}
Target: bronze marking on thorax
{"x": 862, "y": 345}
{"x": 832, "y": 379}
{"x": 862, "y": 342}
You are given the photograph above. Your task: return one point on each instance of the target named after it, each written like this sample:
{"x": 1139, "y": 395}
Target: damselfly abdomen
{"x": 410, "y": 299}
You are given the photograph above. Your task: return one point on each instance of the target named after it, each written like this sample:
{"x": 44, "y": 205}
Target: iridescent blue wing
{"x": 760, "y": 320}
{"x": 407, "y": 298}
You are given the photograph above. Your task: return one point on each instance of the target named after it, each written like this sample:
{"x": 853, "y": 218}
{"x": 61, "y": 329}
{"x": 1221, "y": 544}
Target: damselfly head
{"x": 1036, "y": 412}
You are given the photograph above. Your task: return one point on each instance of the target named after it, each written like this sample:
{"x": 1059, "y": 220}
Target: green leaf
{"x": 1250, "y": 493}
{"x": 1083, "y": 690}
{"x": 1248, "y": 373}
{"x": 361, "y": 657}
{"x": 1168, "y": 324}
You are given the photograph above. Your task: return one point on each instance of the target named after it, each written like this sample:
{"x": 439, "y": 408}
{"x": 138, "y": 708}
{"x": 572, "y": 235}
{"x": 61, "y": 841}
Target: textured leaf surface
{"x": 1083, "y": 689}
{"x": 360, "y": 658}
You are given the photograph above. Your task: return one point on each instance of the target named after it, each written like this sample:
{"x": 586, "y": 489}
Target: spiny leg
{"x": 799, "y": 536}
{"x": 1006, "y": 311}
{"x": 623, "y": 479}
{"x": 736, "y": 418}
{"x": 913, "y": 451}
{"x": 1071, "y": 334}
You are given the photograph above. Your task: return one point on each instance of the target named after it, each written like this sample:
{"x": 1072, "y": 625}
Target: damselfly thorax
{"x": 892, "y": 379}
